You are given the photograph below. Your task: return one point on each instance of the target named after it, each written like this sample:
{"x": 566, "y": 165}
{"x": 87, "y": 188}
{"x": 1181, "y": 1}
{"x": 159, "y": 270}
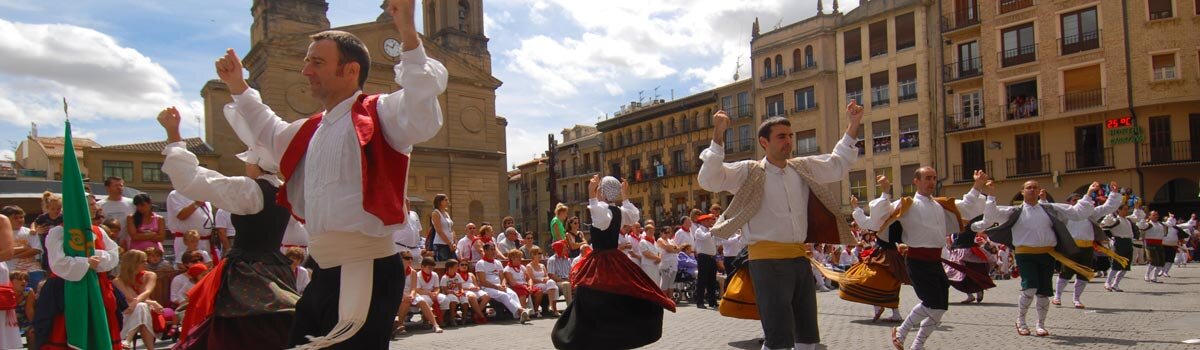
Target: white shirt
{"x": 645, "y": 246}
{"x": 733, "y": 245}
{"x": 117, "y": 209}
{"x": 224, "y": 221}
{"x": 447, "y": 228}
{"x": 1082, "y": 230}
{"x": 518, "y": 276}
{"x": 669, "y": 259}
{"x": 180, "y": 285}
{"x": 634, "y": 252}
{"x": 491, "y": 270}
{"x": 424, "y": 286}
{"x": 73, "y": 268}
{"x": 1121, "y": 227}
{"x": 452, "y": 283}
{"x": 506, "y": 244}
{"x": 201, "y": 218}
{"x": 925, "y": 223}
{"x": 602, "y": 217}
{"x": 705, "y": 244}
{"x": 1150, "y": 230}
{"x": 1034, "y": 228}
{"x": 685, "y": 237}
{"x": 331, "y": 173}
{"x": 409, "y": 234}
{"x": 466, "y": 249}
{"x": 783, "y": 216}
{"x": 24, "y": 236}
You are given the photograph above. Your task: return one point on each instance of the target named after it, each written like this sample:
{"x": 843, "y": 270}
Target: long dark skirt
{"x": 615, "y": 306}
{"x": 968, "y": 285}
{"x": 254, "y": 306}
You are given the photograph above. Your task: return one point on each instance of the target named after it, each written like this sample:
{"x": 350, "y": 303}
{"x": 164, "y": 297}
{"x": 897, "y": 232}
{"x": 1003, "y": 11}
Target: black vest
{"x": 608, "y": 238}
{"x": 261, "y": 234}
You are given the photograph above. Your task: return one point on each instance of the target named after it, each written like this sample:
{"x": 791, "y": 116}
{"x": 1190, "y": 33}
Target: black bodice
{"x": 607, "y": 238}
{"x": 260, "y": 234}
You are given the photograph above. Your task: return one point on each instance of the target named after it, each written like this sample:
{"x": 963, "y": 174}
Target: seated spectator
{"x": 518, "y": 280}
{"x": 540, "y": 278}
{"x": 423, "y": 292}
{"x": 490, "y": 274}
{"x": 191, "y": 240}
{"x": 559, "y": 268}
{"x": 154, "y": 260}
{"x": 26, "y": 300}
{"x": 303, "y": 275}
{"x": 451, "y": 295}
{"x": 471, "y": 290}
{"x": 687, "y": 260}
{"x": 180, "y": 285}
{"x": 27, "y": 247}
{"x": 584, "y": 251}
{"x": 143, "y": 316}
{"x": 527, "y": 245}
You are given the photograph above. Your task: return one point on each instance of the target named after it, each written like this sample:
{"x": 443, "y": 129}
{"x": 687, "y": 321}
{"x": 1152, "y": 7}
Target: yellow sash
{"x": 762, "y": 250}
{"x": 1099, "y": 248}
{"x": 1086, "y": 273}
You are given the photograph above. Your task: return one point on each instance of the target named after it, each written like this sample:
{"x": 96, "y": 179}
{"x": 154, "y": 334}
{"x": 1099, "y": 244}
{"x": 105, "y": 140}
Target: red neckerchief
{"x": 649, "y": 238}
{"x": 489, "y": 260}
{"x": 685, "y": 229}
{"x": 515, "y": 264}
{"x": 427, "y": 277}
{"x": 408, "y": 271}
{"x": 466, "y": 276}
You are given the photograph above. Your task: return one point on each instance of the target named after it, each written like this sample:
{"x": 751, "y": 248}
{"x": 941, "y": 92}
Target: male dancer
{"x": 796, "y": 208}
{"x": 1039, "y": 234}
{"x": 1086, "y": 233}
{"x": 359, "y": 142}
{"x": 1123, "y": 226}
{"x": 926, "y": 221}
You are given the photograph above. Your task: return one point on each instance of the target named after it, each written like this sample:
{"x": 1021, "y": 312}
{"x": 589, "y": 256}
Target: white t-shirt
{"x": 491, "y": 270}
{"x": 427, "y": 286}
{"x": 24, "y": 236}
{"x": 518, "y": 275}
{"x": 180, "y": 286}
{"x": 118, "y": 209}
{"x": 224, "y": 222}
{"x": 453, "y": 283}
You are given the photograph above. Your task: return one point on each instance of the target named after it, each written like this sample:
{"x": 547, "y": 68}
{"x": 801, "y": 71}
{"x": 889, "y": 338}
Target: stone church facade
{"x": 465, "y": 160}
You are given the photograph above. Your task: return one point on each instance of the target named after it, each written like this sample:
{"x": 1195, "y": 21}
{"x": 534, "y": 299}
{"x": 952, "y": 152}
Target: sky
{"x": 563, "y": 62}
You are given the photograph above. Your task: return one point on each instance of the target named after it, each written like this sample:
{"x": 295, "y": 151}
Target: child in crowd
{"x": 517, "y": 277}
{"x": 181, "y": 284}
{"x": 303, "y": 275}
{"x": 451, "y": 295}
{"x": 191, "y": 240}
{"x": 26, "y": 300}
{"x": 421, "y": 290}
{"x": 154, "y": 260}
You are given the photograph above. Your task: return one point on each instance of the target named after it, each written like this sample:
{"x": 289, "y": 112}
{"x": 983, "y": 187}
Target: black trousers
{"x": 1169, "y": 252}
{"x": 930, "y": 282}
{"x": 317, "y": 310}
{"x": 706, "y": 282}
{"x": 441, "y": 252}
{"x": 1124, "y": 248}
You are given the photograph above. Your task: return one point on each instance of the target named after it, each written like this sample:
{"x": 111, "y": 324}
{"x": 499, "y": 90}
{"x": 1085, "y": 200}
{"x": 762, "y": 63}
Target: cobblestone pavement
{"x": 1145, "y": 316}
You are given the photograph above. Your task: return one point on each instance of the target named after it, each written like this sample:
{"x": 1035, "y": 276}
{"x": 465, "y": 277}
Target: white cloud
{"x": 6, "y": 154}
{"x": 524, "y": 145}
{"x": 101, "y": 79}
{"x": 493, "y": 23}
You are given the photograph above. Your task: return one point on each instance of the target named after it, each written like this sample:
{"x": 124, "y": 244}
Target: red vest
{"x": 384, "y": 170}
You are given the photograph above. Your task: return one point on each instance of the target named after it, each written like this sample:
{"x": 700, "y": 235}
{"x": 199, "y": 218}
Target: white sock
{"x": 1023, "y": 302}
{"x": 1167, "y": 269}
{"x": 803, "y": 346}
{"x": 895, "y": 313}
{"x": 919, "y": 313}
{"x": 1117, "y": 281}
{"x": 1080, "y": 284}
{"x": 928, "y": 325}
{"x": 1043, "y": 308}
{"x": 1112, "y": 275}
{"x": 1062, "y": 284}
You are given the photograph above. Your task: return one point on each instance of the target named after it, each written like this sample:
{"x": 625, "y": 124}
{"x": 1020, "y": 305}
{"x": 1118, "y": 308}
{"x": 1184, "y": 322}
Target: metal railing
{"x": 961, "y": 18}
{"x": 964, "y": 121}
{"x": 1025, "y": 108}
{"x": 1007, "y": 6}
{"x": 1018, "y": 55}
{"x": 967, "y": 68}
{"x": 961, "y": 176}
{"x": 1079, "y": 42}
{"x": 1028, "y": 166}
{"x": 1174, "y": 152}
{"x": 811, "y": 106}
{"x": 1089, "y": 160}
{"x": 1076, "y": 100}
{"x": 908, "y": 90}
{"x": 777, "y": 74}
{"x": 807, "y": 66}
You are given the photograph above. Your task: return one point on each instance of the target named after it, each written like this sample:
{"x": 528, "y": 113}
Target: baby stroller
{"x": 685, "y": 283}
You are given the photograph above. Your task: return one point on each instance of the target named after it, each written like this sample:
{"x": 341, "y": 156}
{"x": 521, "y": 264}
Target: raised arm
{"x": 1083, "y": 208}
{"x": 715, "y": 175}
{"x": 829, "y": 168}
{"x": 994, "y": 214}
{"x": 1111, "y": 204}
{"x": 254, "y": 122}
{"x": 972, "y": 203}
{"x": 237, "y": 194}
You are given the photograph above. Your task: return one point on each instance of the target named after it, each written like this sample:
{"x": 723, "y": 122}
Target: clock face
{"x": 391, "y": 47}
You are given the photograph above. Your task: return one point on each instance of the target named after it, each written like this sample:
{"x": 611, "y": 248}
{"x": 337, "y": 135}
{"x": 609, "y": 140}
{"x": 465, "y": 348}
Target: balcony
{"x": 961, "y": 176}
{"x": 807, "y": 67}
{"x": 1026, "y": 167}
{"x": 811, "y": 106}
{"x": 1077, "y": 100}
{"x": 908, "y": 90}
{"x": 744, "y": 145}
{"x": 1174, "y": 152}
{"x": 1021, "y": 108}
{"x": 852, "y": 59}
{"x": 1089, "y": 160}
{"x": 772, "y": 76}
{"x": 31, "y": 173}
{"x": 968, "y": 68}
{"x": 880, "y": 96}
{"x": 1007, "y": 6}
{"x": 1079, "y": 42}
{"x": 1018, "y": 55}
{"x": 961, "y": 19}
{"x": 742, "y": 111}
{"x": 964, "y": 121}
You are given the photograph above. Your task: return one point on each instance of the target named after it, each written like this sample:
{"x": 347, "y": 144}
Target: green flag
{"x": 86, "y": 319}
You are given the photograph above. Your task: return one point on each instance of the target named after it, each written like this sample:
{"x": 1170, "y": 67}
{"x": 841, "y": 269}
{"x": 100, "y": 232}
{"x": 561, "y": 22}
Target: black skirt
{"x": 601, "y": 320}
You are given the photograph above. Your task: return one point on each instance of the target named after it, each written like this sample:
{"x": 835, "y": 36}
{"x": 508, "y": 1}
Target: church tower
{"x": 457, "y": 26}
{"x": 281, "y": 17}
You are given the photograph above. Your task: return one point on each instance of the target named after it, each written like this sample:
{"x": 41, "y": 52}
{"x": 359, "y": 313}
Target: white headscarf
{"x": 610, "y": 189}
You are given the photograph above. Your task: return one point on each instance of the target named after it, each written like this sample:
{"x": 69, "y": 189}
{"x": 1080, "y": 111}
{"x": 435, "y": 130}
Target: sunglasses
{"x": 407, "y": 258}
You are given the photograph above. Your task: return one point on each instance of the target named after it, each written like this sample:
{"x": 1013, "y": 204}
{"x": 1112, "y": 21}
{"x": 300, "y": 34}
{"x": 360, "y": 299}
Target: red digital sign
{"x": 1119, "y": 123}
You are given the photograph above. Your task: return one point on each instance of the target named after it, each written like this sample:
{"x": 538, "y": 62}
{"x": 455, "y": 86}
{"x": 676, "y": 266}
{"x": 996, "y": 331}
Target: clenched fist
{"x": 720, "y": 124}
{"x": 229, "y": 69}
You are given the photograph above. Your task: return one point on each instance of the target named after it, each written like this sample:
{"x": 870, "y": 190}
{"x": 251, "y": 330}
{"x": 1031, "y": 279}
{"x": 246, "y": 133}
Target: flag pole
{"x": 68, "y": 115}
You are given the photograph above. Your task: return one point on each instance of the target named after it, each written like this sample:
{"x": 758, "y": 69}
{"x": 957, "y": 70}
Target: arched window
{"x": 686, "y": 124}
{"x": 796, "y": 63}
{"x": 809, "y": 61}
{"x": 659, "y": 134}
{"x": 778, "y": 65}
{"x": 767, "y": 68}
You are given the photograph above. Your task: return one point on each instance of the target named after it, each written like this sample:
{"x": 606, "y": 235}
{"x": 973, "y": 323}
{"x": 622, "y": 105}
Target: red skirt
{"x": 611, "y": 271}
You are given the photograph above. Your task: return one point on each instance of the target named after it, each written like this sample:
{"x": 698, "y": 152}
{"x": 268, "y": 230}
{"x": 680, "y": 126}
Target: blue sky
{"x": 563, "y": 62}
